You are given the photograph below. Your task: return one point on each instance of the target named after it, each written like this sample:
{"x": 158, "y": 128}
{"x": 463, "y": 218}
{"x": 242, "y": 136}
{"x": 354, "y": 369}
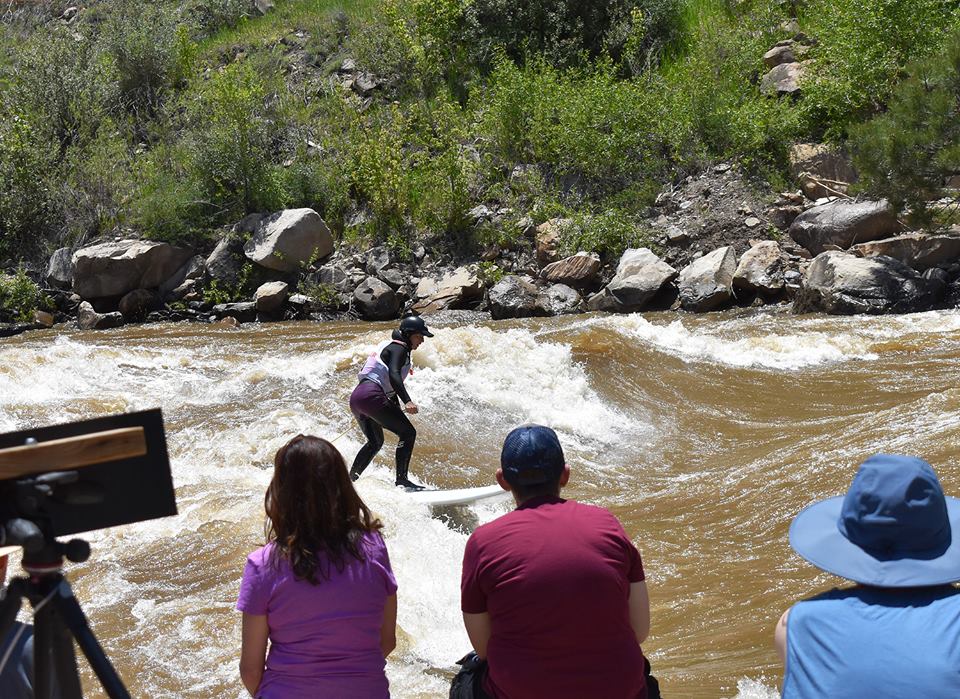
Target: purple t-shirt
{"x": 324, "y": 639}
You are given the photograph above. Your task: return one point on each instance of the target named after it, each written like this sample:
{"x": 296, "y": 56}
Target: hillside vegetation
{"x": 395, "y": 118}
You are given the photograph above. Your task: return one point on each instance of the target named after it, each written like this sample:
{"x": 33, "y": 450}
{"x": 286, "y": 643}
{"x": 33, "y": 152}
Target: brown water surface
{"x": 705, "y": 435}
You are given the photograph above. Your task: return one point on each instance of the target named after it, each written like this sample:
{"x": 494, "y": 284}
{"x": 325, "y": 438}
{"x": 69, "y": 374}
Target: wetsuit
{"x": 374, "y": 402}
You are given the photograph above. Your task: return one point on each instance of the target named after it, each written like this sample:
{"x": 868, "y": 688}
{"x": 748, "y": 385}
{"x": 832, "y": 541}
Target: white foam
{"x": 733, "y": 343}
{"x": 514, "y": 372}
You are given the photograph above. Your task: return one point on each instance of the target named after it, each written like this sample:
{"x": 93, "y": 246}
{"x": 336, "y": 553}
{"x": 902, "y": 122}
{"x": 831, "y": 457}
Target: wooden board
{"x": 72, "y": 452}
{"x": 460, "y": 496}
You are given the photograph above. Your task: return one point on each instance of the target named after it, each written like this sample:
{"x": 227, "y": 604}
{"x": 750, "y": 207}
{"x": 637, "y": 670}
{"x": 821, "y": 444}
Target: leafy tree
{"x": 907, "y": 153}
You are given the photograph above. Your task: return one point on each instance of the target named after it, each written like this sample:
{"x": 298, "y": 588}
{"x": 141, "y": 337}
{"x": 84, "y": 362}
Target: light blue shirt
{"x": 874, "y": 643}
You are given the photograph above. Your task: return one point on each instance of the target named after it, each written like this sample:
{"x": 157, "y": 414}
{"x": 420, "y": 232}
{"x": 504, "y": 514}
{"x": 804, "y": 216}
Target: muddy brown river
{"x": 703, "y": 434}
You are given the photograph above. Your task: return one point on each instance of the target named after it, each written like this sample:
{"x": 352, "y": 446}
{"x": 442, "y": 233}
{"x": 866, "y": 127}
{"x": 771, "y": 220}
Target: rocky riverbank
{"x": 715, "y": 242}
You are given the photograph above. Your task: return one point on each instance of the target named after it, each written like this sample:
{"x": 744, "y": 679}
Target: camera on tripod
{"x": 66, "y": 479}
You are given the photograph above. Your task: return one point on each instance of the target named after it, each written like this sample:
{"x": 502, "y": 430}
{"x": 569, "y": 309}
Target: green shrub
{"x": 213, "y": 15}
{"x": 907, "y": 153}
{"x": 148, "y": 51}
{"x": 62, "y": 82}
{"x": 19, "y": 296}
{"x": 25, "y": 197}
{"x": 566, "y": 32}
{"x": 168, "y": 203}
{"x": 863, "y": 50}
{"x": 237, "y": 122}
{"x": 608, "y": 233}
{"x": 585, "y": 124}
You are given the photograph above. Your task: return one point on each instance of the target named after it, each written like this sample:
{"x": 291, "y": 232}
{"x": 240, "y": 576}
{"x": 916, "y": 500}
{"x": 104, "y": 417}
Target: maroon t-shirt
{"x": 555, "y": 576}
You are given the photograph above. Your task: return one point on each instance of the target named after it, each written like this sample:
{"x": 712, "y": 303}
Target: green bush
{"x": 566, "y": 32}
{"x": 19, "y": 296}
{"x": 410, "y": 168}
{"x": 168, "y": 203}
{"x": 864, "y": 47}
{"x": 148, "y": 51}
{"x": 585, "y": 125}
{"x": 608, "y": 233}
{"x": 237, "y": 122}
{"x": 25, "y": 197}
{"x": 907, "y": 153}
{"x": 213, "y": 15}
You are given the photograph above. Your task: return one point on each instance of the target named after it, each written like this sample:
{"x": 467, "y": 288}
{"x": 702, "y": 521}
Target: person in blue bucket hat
{"x": 896, "y": 633}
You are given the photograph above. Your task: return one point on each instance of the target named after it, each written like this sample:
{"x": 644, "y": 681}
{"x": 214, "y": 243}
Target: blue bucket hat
{"x": 893, "y": 528}
{"x": 531, "y": 455}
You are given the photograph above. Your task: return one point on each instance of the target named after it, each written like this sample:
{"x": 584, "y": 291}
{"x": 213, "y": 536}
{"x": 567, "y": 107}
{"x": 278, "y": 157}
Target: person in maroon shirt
{"x": 553, "y": 594}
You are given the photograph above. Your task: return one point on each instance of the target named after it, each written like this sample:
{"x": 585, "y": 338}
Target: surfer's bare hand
{"x": 411, "y": 408}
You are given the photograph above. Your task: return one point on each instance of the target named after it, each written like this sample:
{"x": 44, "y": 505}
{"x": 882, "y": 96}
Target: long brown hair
{"x": 312, "y": 508}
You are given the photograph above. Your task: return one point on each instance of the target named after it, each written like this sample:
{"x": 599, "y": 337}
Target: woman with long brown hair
{"x": 321, "y": 590}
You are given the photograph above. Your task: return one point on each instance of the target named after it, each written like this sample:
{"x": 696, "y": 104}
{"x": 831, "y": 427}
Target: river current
{"x": 705, "y": 435}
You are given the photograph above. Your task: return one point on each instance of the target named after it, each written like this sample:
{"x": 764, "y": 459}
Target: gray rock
{"x": 194, "y": 268}
{"x": 89, "y": 319}
{"x": 378, "y": 259}
{"x": 706, "y": 284}
{"x": 394, "y": 276}
{"x": 558, "y": 300}
{"x": 918, "y": 250}
{"x": 270, "y": 297}
{"x": 842, "y": 284}
{"x": 225, "y": 262}
{"x": 678, "y": 236}
{"x": 60, "y": 269}
{"x": 136, "y": 304}
{"x": 287, "y": 240}
{"x": 456, "y": 289}
{"x": 843, "y": 223}
{"x": 639, "y": 278}
{"x": 761, "y": 269}
{"x": 375, "y": 300}
{"x": 245, "y": 311}
{"x": 514, "y": 297}
{"x": 114, "y": 268}
{"x": 822, "y": 161}
{"x": 778, "y": 55}
{"x": 783, "y": 79}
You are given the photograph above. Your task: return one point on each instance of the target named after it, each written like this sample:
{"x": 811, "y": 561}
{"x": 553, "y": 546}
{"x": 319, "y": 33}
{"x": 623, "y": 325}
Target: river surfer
{"x": 377, "y": 399}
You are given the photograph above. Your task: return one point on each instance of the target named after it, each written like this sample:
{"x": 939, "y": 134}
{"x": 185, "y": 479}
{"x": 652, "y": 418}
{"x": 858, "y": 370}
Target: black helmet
{"x": 413, "y": 325}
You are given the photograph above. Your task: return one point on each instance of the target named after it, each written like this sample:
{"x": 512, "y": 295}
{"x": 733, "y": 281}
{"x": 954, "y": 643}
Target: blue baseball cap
{"x": 531, "y": 455}
{"x": 893, "y": 528}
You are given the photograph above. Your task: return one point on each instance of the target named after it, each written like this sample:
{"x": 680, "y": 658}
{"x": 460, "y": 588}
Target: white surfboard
{"x": 460, "y": 496}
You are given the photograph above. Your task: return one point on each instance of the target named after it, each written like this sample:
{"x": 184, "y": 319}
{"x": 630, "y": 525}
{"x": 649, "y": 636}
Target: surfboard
{"x": 459, "y": 496}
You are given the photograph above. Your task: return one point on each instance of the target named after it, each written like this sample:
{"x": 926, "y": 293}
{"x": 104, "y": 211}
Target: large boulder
{"x": 89, "y": 319}
{"x": 114, "y": 268}
{"x": 843, "y": 284}
{"x": 578, "y": 270}
{"x": 225, "y": 262}
{"x": 456, "y": 289}
{"x": 60, "y": 269}
{"x": 706, "y": 284}
{"x": 639, "y": 278}
{"x": 289, "y": 239}
{"x": 513, "y": 297}
{"x": 375, "y": 300}
{"x": 822, "y": 161}
{"x": 243, "y": 311}
{"x": 843, "y": 223}
{"x": 917, "y": 250}
{"x": 761, "y": 269}
{"x": 783, "y": 79}
{"x": 271, "y": 296}
{"x": 195, "y": 268}
{"x": 558, "y": 300}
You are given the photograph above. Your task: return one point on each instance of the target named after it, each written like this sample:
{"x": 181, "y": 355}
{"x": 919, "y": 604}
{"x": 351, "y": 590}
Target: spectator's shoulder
{"x": 259, "y": 559}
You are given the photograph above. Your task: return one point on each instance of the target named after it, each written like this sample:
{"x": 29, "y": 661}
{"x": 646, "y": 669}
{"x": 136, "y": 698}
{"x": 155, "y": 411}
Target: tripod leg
{"x": 68, "y": 607}
{"x": 54, "y": 662}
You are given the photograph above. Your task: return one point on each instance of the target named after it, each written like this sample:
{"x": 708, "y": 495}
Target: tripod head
{"x": 42, "y": 553}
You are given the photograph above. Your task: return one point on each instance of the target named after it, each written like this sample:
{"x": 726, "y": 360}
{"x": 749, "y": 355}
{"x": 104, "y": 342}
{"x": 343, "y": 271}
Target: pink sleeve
{"x": 254, "y": 587}
{"x": 382, "y": 560}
